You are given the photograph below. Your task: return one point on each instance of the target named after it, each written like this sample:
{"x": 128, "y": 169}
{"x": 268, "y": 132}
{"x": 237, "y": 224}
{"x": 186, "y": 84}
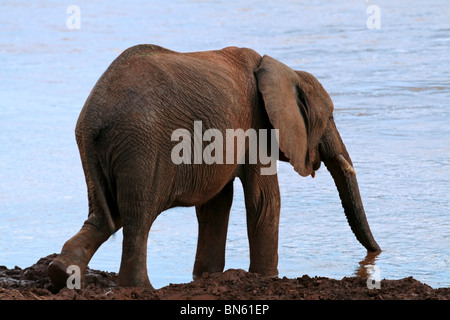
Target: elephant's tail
{"x": 101, "y": 198}
{"x": 95, "y": 176}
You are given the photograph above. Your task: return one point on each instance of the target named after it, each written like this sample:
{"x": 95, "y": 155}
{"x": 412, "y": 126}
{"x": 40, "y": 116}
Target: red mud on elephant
{"x": 125, "y": 138}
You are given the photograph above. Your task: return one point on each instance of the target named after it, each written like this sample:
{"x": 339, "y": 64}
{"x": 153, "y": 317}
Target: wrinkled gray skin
{"x": 124, "y": 138}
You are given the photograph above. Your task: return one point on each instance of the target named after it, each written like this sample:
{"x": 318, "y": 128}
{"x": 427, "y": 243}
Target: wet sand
{"x": 32, "y": 283}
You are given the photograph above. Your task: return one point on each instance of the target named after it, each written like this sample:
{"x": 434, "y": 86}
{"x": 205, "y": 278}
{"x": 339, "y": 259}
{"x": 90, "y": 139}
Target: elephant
{"x": 125, "y": 139}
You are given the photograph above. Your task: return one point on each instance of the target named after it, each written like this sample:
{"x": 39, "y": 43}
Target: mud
{"x": 32, "y": 283}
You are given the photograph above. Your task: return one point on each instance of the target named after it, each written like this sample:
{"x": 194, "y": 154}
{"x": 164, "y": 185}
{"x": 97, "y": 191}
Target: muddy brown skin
{"x": 124, "y": 138}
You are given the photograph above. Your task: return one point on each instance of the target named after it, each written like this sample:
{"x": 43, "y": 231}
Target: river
{"x": 386, "y": 65}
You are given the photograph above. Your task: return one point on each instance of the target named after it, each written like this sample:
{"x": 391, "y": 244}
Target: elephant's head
{"x": 300, "y": 108}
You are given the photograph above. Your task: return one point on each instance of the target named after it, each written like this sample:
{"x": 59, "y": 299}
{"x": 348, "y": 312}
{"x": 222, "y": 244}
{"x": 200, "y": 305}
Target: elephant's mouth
{"x": 339, "y": 158}
{"x": 316, "y": 161}
{"x": 323, "y": 150}
{"x": 315, "y": 167}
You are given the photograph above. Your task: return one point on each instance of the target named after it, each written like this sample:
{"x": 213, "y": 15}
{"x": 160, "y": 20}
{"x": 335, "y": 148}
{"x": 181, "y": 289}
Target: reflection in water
{"x": 366, "y": 266}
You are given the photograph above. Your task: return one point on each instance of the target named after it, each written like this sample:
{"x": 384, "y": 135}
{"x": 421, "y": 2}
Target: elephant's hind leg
{"x": 212, "y": 219}
{"x": 138, "y": 217}
{"x": 78, "y": 251}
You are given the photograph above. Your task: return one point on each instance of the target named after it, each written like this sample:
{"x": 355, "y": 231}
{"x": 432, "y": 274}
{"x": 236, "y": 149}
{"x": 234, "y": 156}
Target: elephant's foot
{"x": 133, "y": 271}
{"x": 61, "y": 268}
{"x": 134, "y": 280}
{"x": 76, "y": 252}
{"x": 265, "y": 273}
{"x": 57, "y": 272}
{"x": 269, "y": 270}
{"x": 213, "y": 267}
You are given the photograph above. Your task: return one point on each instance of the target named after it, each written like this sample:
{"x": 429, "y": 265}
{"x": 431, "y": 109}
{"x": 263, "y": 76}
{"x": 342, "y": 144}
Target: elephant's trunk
{"x": 345, "y": 179}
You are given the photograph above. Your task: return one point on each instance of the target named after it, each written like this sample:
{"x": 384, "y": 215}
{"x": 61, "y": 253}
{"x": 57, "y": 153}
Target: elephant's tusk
{"x": 345, "y": 166}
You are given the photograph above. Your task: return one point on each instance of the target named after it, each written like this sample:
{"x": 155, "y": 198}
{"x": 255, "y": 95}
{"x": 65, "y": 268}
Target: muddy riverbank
{"x": 32, "y": 283}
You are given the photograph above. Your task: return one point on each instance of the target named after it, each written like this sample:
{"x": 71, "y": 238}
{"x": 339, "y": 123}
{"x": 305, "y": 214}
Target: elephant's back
{"x": 149, "y": 92}
{"x": 148, "y": 88}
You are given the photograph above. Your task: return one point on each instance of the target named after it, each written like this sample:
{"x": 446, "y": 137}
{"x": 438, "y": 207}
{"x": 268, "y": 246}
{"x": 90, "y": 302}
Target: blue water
{"x": 390, "y": 87}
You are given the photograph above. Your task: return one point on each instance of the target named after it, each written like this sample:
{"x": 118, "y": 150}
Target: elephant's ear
{"x": 279, "y": 86}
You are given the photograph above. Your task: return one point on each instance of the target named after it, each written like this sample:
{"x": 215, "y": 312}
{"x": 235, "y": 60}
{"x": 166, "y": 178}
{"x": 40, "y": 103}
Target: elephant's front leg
{"x": 212, "y": 232}
{"x": 262, "y": 201}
